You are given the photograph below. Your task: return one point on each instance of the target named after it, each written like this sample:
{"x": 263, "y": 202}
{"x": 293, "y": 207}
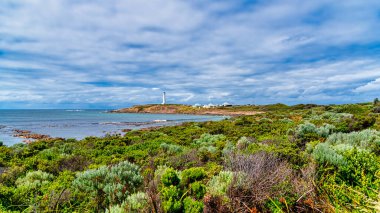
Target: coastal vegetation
{"x": 302, "y": 158}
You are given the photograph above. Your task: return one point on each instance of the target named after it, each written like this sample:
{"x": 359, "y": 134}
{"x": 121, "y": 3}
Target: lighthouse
{"x": 163, "y": 98}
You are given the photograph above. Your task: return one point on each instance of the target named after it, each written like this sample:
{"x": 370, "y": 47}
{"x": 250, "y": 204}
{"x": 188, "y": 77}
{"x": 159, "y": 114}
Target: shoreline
{"x": 185, "y": 110}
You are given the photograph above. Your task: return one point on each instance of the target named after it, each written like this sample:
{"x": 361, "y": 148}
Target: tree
{"x": 376, "y": 101}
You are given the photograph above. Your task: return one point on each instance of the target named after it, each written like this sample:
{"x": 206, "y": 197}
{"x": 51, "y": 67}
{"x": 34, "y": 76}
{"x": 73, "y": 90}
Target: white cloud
{"x": 373, "y": 86}
{"x": 103, "y": 52}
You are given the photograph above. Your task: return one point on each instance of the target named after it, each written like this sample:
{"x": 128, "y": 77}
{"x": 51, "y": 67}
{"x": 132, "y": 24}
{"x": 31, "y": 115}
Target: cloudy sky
{"x": 116, "y": 53}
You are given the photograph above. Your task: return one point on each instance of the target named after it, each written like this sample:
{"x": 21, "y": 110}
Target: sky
{"x": 118, "y": 53}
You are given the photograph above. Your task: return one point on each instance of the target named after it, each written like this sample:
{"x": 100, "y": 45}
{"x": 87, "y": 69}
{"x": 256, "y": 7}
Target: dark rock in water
{"x": 29, "y": 135}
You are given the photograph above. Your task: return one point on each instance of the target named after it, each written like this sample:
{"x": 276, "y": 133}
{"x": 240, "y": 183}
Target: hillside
{"x": 186, "y": 109}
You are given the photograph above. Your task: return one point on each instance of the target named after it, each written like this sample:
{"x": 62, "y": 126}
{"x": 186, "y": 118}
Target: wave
{"x": 74, "y": 110}
{"x": 132, "y": 123}
{"x": 158, "y": 121}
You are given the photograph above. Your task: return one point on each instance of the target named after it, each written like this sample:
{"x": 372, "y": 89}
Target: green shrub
{"x": 206, "y": 153}
{"x": 332, "y": 116}
{"x": 192, "y": 206}
{"x": 336, "y": 144}
{"x": 309, "y": 131}
{"x": 34, "y": 180}
{"x": 208, "y": 140}
{"x": 367, "y": 139}
{"x": 191, "y": 175}
{"x": 170, "y": 178}
{"x": 219, "y": 184}
{"x": 353, "y": 177}
{"x": 198, "y": 190}
{"x": 171, "y": 148}
{"x": 109, "y": 185}
{"x": 360, "y": 169}
{"x": 376, "y": 109}
{"x": 354, "y": 185}
{"x": 171, "y": 199}
{"x": 137, "y": 202}
{"x": 31, "y": 187}
{"x": 228, "y": 148}
{"x": 116, "y": 209}
{"x": 243, "y": 143}
{"x": 324, "y": 153}
{"x": 325, "y": 130}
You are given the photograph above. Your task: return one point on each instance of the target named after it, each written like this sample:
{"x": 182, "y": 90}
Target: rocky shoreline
{"x": 29, "y": 136}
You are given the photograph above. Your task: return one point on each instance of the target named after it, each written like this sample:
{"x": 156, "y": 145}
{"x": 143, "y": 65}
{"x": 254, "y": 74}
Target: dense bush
{"x": 355, "y": 177}
{"x": 376, "y": 110}
{"x": 219, "y": 184}
{"x": 170, "y": 177}
{"x": 209, "y": 146}
{"x": 135, "y": 203}
{"x": 109, "y": 185}
{"x": 192, "y": 174}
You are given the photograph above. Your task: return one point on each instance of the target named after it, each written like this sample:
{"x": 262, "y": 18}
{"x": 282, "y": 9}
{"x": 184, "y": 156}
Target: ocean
{"x": 79, "y": 124}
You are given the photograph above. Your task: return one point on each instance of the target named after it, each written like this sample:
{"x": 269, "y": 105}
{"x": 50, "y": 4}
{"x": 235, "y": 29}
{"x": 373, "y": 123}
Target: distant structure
{"x": 163, "y": 98}
{"x": 210, "y": 105}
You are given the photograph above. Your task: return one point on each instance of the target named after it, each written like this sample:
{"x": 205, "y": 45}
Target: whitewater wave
{"x": 132, "y": 123}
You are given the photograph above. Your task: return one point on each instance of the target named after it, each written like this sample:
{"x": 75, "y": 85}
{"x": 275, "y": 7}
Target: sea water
{"x": 79, "y": 124}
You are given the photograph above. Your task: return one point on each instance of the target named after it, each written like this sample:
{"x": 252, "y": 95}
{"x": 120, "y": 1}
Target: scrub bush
{"x": 218, "y": 184}
{"x": 171, "y": 148}
{"x": 171, "y": 199}
{"x": 191, "y": 175}
{"x": 109, "y": 185}
{"x": 198, "y": 190}
{"x": 243, "y": 143}
{"x": 192, "y": 206}
{"x": 170, "y": 178}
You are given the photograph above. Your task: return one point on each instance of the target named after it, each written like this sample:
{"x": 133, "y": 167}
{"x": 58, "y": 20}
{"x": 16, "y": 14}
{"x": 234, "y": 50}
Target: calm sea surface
{"x": 82, "y": 123}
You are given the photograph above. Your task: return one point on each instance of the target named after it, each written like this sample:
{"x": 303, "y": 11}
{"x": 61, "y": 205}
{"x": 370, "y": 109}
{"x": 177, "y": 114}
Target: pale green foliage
{"x": 305, "y": 128}
{"x": 34, "y": 180}
{"x": 266, "y": 120}
{"x": 228, "y": 148}
{"x": 137, "y": 202}
{"x": 325, "y": 130}
{"x": 309, "y": 128}
{"x": 324, "y": 153}
{"x": 116, "y": 182}
{"x": 333, "y": 116}
{"x": 116, "y": 209}
{"x": 161, "y": 169}
{"x": 219, "y": 184}
{"x": 367, "y": 139}
{"x": 207, "y": 145}
{"x": 208, "y": 140}
{"x": 171, "y": 148}
{"x": 338, "y": 143}
{"x": 286, "y": 120}
{"x": 210, "y": 149}
{"x": 243, "y": 143}
{"x": 192, "y": 206}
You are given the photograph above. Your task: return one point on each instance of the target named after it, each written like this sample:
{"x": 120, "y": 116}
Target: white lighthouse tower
{"x": 163, "y": 98}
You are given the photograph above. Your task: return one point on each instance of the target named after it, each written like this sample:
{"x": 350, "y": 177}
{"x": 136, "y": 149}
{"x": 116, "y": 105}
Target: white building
{"x": 164, "y": 98}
